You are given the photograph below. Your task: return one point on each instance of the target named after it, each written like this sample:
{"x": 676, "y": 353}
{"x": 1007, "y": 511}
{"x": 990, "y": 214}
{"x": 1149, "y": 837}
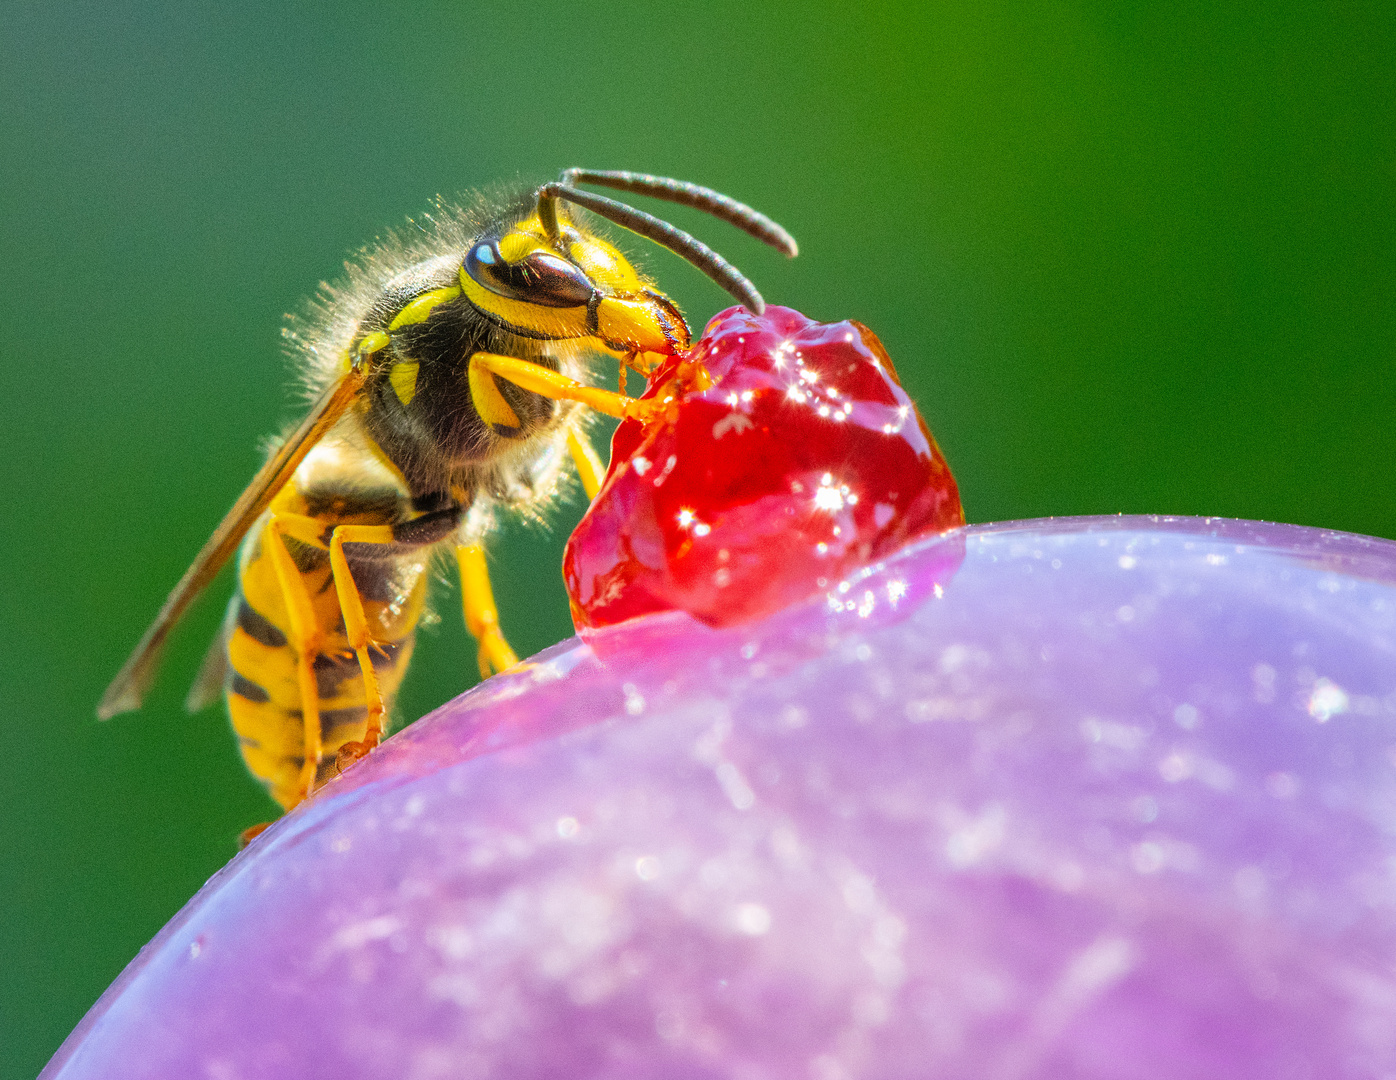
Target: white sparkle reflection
{"x": 687, "y": 519}
{"x": 669, "y": 464}
{"x": 1327, "y": 701}
{"x": 753, "y": 919}
{"x": 734, "y": 786}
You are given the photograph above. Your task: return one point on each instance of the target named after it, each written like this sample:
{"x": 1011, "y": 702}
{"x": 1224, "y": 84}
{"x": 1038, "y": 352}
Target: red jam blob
{"x": 801, "y": 461}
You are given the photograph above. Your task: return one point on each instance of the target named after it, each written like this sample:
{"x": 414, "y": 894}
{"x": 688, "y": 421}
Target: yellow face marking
{"x": 421, "y": 308}
{"x": 403, "y": 378}
{"x": 605, "y": 265}
{"x": 517, "y": 246}
{"x": 545, "y": 322}
{"x": 633, "y": 323}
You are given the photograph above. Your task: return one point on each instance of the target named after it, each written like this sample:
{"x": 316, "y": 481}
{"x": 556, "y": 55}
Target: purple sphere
{"x": 1107, "y": 798}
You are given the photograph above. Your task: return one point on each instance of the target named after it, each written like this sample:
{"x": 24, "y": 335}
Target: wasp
{"x": 447, "y": 374}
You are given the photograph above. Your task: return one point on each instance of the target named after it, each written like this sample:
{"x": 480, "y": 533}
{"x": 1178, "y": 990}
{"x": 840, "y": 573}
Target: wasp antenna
{"x": 675, "y": 239}
{"x": 686, "y": 194}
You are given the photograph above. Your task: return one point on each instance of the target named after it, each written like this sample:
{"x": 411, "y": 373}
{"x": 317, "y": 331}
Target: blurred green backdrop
{"x": 1128, "y": 257}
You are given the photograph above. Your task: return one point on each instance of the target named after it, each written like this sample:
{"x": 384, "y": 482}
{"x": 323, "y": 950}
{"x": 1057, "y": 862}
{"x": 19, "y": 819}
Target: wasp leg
{"x": 481, "y": 616}
{"x": 356, "y": 629}
{"x": 493, "y": 409}
{"x": 588, "y": 463}
{"x": 306, "y": 635}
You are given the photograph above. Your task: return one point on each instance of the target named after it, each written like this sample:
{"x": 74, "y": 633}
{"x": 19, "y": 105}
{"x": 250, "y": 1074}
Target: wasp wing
{"x": 134, "y": 679}
{"x": 213, "y": 672}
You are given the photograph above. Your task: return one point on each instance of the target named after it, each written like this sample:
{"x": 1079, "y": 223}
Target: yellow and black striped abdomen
{"x": 264, "y": 690}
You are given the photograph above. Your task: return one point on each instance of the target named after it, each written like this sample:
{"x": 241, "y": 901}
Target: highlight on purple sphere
{"x": 1107, "y": 798}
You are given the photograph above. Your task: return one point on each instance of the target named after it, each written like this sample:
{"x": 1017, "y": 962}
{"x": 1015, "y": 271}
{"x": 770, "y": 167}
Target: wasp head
{"x": 567, "y": 286}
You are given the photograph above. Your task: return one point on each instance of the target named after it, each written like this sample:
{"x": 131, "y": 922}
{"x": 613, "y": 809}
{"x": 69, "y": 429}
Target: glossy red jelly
{"x": 801, "y": 461}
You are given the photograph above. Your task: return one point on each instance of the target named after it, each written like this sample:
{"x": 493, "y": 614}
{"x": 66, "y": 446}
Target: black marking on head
{"x": 257, "y": 626}
{"x": 244, "y": 687}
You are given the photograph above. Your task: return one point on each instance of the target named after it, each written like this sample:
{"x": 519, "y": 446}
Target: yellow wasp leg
{"x": 493, "y": 409}
{"x": 305, "y": 633}
{"x": 588, "y": 463}
{"x": 481, "y": 616}
{"x": 356, "y": 628}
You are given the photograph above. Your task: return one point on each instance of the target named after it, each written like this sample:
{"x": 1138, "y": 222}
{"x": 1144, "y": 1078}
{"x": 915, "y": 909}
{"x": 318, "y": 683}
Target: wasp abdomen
{"x": 268, "y": 696}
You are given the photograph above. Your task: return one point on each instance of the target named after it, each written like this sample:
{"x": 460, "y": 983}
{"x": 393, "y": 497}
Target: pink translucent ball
{"x": 1107, "y": 798}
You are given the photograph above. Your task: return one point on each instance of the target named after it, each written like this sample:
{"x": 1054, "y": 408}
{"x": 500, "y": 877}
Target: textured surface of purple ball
{"x": 1108, "y": 798}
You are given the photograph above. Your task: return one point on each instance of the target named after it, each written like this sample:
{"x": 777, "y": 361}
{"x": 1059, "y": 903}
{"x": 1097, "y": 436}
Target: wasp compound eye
{"x": 539, "y": 278}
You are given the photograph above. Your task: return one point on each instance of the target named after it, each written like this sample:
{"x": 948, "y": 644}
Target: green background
{"x": 1128, "y": 257}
